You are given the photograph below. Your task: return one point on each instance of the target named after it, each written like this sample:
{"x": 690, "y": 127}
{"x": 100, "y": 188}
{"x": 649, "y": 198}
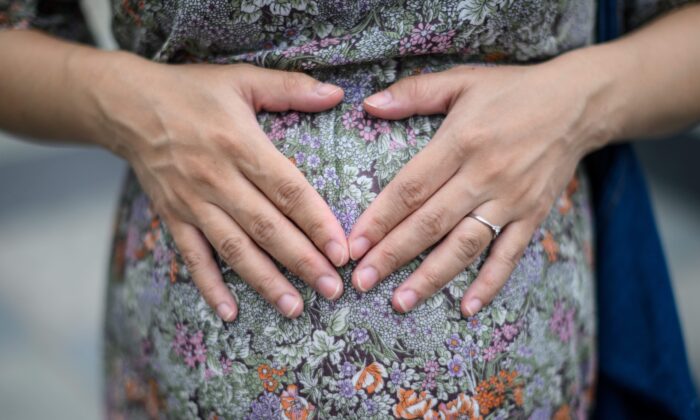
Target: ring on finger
{"x": 495, "y": 229}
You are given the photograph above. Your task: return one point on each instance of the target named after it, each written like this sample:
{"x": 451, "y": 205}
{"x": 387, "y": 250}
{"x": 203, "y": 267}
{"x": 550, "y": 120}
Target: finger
{"x": 425, "y": 94}
{"x": 198, "y": 258}
{"x": 423, "y": 228}
{"x": 280, "y": 90}
{"x": 277, "y": 235}
{"x": 249, "y": 261}
{"x": 458, "y": 250}
{"x": 500, "y": 263}
{"x": 287, "y": 188}
{"x": 415, "y": 183}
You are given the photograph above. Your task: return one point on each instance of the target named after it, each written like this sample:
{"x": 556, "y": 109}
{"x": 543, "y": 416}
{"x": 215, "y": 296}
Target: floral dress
{"x": 529, "y": 354}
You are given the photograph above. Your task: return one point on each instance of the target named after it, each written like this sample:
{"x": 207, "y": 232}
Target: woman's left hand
{"x": 508, "y": 146}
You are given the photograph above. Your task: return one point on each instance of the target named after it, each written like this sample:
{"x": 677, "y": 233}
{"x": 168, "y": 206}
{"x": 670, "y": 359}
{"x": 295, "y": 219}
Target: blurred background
{"x": 57, "y": 205}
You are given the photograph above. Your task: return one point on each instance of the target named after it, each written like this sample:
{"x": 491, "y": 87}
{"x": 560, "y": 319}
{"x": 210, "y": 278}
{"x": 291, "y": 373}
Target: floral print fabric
{"x": 532, "y": 349}
{"x": 530, "y": 354}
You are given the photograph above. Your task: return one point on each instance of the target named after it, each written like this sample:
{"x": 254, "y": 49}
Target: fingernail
{"x": 287, "y": 304}
{"x": 407, "y": 299}
{"x": 325, "y": 89}
{"x": 329, "y": 287}
{"x": 367, "y": 278}
{"x": 225, "y": 311}
{"x": 379, "y": 99}
{"x": 336, "y": 252}
{"x": 358, "y": 247}
{"x": 473, "y": 306}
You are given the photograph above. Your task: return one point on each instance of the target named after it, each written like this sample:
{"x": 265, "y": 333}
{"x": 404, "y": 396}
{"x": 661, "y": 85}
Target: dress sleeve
{"x": 637, "y": 12}
{"x": 61, "y": 18}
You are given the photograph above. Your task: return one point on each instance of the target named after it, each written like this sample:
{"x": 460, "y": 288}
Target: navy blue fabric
{"x": 643, "y": 370}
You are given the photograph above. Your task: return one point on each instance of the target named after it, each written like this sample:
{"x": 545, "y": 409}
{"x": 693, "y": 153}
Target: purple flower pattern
{"x": 163, "y": 339}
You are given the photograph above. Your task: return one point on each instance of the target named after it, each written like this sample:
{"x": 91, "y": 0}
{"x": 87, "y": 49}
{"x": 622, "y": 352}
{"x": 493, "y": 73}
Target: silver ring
{"x": 495, "y": 229}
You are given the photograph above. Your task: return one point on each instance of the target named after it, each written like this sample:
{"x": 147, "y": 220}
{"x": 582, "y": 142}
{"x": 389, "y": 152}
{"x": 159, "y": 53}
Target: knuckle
{"x": 180, "y": 200}
{"x": 412, "y": 193}
{"x": 390, "y": 258}
{"x": 413, "y": 86}
{"x": 458, "y": 144}
{"x": 471, "y": 191}
{"x": 303, "y": 265}
{"x": 481, "y": 133}
{"x": 314, "y": 229}
{"x": 220, "y": 137}
{"x": 229, "y": 141}
{"x": 469, "y": 246}
{"x": 264, "y": 285}
{"x": 492, "y": 167}
{"x": 201, "y": 173}
{"x": 232, "y": 249}
{"x": 431, "y": 223}
{"x": 288, "y": 196}
{"x": 208, "y": 290}
{"x": 292, "y": 81}
{"x": 166, "y": 209}
{"x": 263, "y": 228}
{"x": 433, "y": 280}
{"x": 490, "y": 284}
{"x": 509, "y": 256}
{"x": 193, "y": 261}
{"x": 381, "y": 224}
{"x": 233, "y": 146}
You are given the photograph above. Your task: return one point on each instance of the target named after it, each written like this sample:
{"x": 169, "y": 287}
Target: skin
{"x": 196, "y": 150}
{"x": 195, "y": 147}
{"x": 509, "y": 144}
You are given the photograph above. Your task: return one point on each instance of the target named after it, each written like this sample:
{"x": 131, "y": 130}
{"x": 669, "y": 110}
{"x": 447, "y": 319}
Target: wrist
{"x": 103, "y": 93}
{"x": 599, "y": 73}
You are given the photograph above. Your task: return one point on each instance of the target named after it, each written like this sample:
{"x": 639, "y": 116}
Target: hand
{"x": 191, "y": 135}
{"x": 510, "y": 142}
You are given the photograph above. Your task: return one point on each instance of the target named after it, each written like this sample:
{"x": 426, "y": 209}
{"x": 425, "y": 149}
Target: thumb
{"x": 280, "y": 90}
{"x": 425, "y": 94}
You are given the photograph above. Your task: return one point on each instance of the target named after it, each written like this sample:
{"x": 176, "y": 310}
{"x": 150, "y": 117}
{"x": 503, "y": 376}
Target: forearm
{"x": 647, "y": 83}
{"x": 48, "y": 86}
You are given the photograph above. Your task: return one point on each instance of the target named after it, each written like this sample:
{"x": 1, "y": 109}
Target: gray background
{"x": 57, "y": 206}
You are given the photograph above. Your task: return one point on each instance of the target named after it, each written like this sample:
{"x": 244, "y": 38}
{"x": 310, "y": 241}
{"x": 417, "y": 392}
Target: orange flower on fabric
{"x": 412, "y": 405}
{"x": 462, "y": 407}
{"x": 572, "y": 187}
{"x": 173, "y": 270}
{"x": 270, "y": 384}
{"x": 518, "y": 396}
{"x": 294, "y": 406}
{"x": 565, "y": 204}
{"x": 563, "y": 413}
{"x": 144, "y": 393}
{"x": 370, "y": 378}
{"x": 264, "y": 371}
{"x": 494, "y": 391}
{"x": 550, "y": 246}
{"x": 432, "y": 415}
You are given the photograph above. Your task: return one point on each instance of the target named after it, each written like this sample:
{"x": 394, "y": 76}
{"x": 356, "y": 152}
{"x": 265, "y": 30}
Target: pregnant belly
{"x": 531, "y": 349}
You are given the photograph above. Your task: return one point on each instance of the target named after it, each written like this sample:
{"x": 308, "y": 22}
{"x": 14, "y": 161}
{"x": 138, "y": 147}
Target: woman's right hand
{"x": 191, "y": 135}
